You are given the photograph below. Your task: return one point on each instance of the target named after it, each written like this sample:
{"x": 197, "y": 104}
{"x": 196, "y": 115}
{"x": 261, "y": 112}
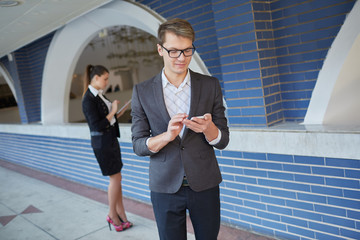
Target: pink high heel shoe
{"x": 118, "y": 228}
{"x": 126, "y": 224}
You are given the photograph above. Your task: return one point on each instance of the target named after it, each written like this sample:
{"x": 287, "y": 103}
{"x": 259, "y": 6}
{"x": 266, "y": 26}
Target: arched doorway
{"x": 70, "y": 41}
{"x": 9, "y": 112}
{"x": 131, "y": 56}
{"x": 335, "y": 99}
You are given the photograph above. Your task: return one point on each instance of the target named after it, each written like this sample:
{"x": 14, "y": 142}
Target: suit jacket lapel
{"x": 159, "y": 97}
{"x": 195, "y": 97}
{"x": 195, "y": 94}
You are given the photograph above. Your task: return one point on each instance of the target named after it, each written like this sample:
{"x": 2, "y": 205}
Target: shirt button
{"x": 182, "y": 147}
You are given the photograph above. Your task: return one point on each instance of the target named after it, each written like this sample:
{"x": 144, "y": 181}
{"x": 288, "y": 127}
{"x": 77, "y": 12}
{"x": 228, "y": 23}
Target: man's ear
{"x": 159, "y": 49}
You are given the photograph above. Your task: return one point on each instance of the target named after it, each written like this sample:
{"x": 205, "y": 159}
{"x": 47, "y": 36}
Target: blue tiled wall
{"x": 74, "y": 159}
{"x": 267, "y": 54}
{"x": 291, "y": 197}
{"x": 26, "y": 70}
{"x": 284, "y": 196}
{"x": 200, "y": 14}
{"x": 303, "y": 32}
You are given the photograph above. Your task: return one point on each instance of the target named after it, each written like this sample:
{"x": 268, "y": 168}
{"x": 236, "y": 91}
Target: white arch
{"x": 8, "y": 80}
{"x": 69, "y": 42}
{"x": 336, "y": 99}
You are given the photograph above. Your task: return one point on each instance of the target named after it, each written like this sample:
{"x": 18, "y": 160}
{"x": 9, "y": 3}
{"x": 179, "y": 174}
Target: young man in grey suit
{"x": 177, "y": 119}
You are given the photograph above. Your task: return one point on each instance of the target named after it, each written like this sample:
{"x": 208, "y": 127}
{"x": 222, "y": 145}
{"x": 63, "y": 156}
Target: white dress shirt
{"x": 185, "y": 88}
{"x": 172, "y": 95}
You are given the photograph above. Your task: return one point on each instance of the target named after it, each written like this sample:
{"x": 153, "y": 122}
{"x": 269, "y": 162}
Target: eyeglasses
{"x": 188, "y": 52}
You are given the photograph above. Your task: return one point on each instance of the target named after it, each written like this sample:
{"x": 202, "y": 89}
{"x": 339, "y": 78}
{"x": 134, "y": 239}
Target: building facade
{"x": 291, "y": 169}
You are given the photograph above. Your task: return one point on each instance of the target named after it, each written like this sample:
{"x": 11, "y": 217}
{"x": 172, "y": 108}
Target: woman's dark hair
{"x": 90, "y": 72}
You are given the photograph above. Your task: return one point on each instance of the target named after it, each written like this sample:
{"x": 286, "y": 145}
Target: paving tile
{"x": 33, "y": 209}
{"x": 35, "y": 205}
{"x": 20, "y": 228}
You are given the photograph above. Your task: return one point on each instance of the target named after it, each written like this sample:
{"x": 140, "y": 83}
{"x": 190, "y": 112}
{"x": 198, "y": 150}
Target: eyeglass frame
{"x": 181, "y": 51}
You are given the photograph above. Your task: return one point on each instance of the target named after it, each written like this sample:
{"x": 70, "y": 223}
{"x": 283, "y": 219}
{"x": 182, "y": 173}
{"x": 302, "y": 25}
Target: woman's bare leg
{"x": 120, "y": 206}
{"x": 114, "y": 190}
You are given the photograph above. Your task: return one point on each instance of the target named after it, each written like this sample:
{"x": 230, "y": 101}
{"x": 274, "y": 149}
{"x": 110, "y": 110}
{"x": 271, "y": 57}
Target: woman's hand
{"x": 114, "y": 106}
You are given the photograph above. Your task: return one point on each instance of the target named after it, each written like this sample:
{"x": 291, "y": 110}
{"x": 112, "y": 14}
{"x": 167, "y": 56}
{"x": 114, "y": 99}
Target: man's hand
{"x": 203, "y": 125}
{"x": 175, "y": 125}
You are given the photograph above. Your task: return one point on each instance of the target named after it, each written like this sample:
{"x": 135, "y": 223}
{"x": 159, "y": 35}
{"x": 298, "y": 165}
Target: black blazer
{"x": 191, "y": 153}
{"x": 95, "y": 111}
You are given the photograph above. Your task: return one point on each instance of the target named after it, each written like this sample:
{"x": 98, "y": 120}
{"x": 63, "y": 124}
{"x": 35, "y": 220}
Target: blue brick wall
{"x": 30, "y": 61}
{"x": 291, "y": 197}
{"x": 262, "y": 49}
{"x": 268, "y": 64}
{"x": 240, "y": 64}
{"x": 267, "y": 55}
{"x": 26, "y": 70}
{"x": 74, "y": 159}
{"x": 200, "y": 14}
{"x": 303, "y": 32}
{"x": 284, "y": 196}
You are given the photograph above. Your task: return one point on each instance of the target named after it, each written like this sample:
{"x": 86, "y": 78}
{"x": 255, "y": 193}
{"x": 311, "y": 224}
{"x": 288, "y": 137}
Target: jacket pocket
{"x": 207, "y": 154}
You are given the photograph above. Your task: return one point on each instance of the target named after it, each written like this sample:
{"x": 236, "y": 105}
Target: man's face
{"x": 179, "y": 65}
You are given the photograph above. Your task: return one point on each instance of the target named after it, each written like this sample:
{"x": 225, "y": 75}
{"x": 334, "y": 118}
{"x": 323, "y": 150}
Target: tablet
{"x": 124, "y": 106}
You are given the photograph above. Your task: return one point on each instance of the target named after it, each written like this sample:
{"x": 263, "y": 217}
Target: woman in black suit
{"x": 101, "y": 116}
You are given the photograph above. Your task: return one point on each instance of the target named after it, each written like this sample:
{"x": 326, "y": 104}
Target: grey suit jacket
{"x": 192, "y": 154}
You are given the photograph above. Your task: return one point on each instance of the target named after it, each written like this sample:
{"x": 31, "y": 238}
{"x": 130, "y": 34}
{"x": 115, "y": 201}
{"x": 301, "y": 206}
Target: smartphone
{"x": 201, "y": 117}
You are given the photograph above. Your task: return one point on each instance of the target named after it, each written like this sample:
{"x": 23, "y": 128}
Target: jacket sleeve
{"x": 96, "y": 120}
{"x": 219, "y": 119}
{"x": 140, "y": 127}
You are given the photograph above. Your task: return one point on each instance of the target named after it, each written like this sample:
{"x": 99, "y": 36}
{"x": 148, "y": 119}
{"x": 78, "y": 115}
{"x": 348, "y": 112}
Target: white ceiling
{"x": 32, "y": 19}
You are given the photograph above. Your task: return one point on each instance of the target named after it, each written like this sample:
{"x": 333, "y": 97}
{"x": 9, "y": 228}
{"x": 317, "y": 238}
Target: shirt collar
{"x": 165, "y": 81}
{"x": 94, "y": 91}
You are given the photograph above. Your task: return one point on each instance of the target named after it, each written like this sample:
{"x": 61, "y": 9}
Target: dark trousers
{"x": 204, "y": 211}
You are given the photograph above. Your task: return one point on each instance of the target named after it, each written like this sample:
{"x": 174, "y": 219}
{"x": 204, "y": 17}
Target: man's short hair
{"x": 179, "y": 27}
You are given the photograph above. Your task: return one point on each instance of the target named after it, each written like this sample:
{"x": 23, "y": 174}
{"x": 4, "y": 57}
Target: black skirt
{"x": 107, "y": 152}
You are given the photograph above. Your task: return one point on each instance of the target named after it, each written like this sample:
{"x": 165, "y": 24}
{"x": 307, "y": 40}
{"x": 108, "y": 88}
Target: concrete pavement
{"x": 39, "y": 206}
